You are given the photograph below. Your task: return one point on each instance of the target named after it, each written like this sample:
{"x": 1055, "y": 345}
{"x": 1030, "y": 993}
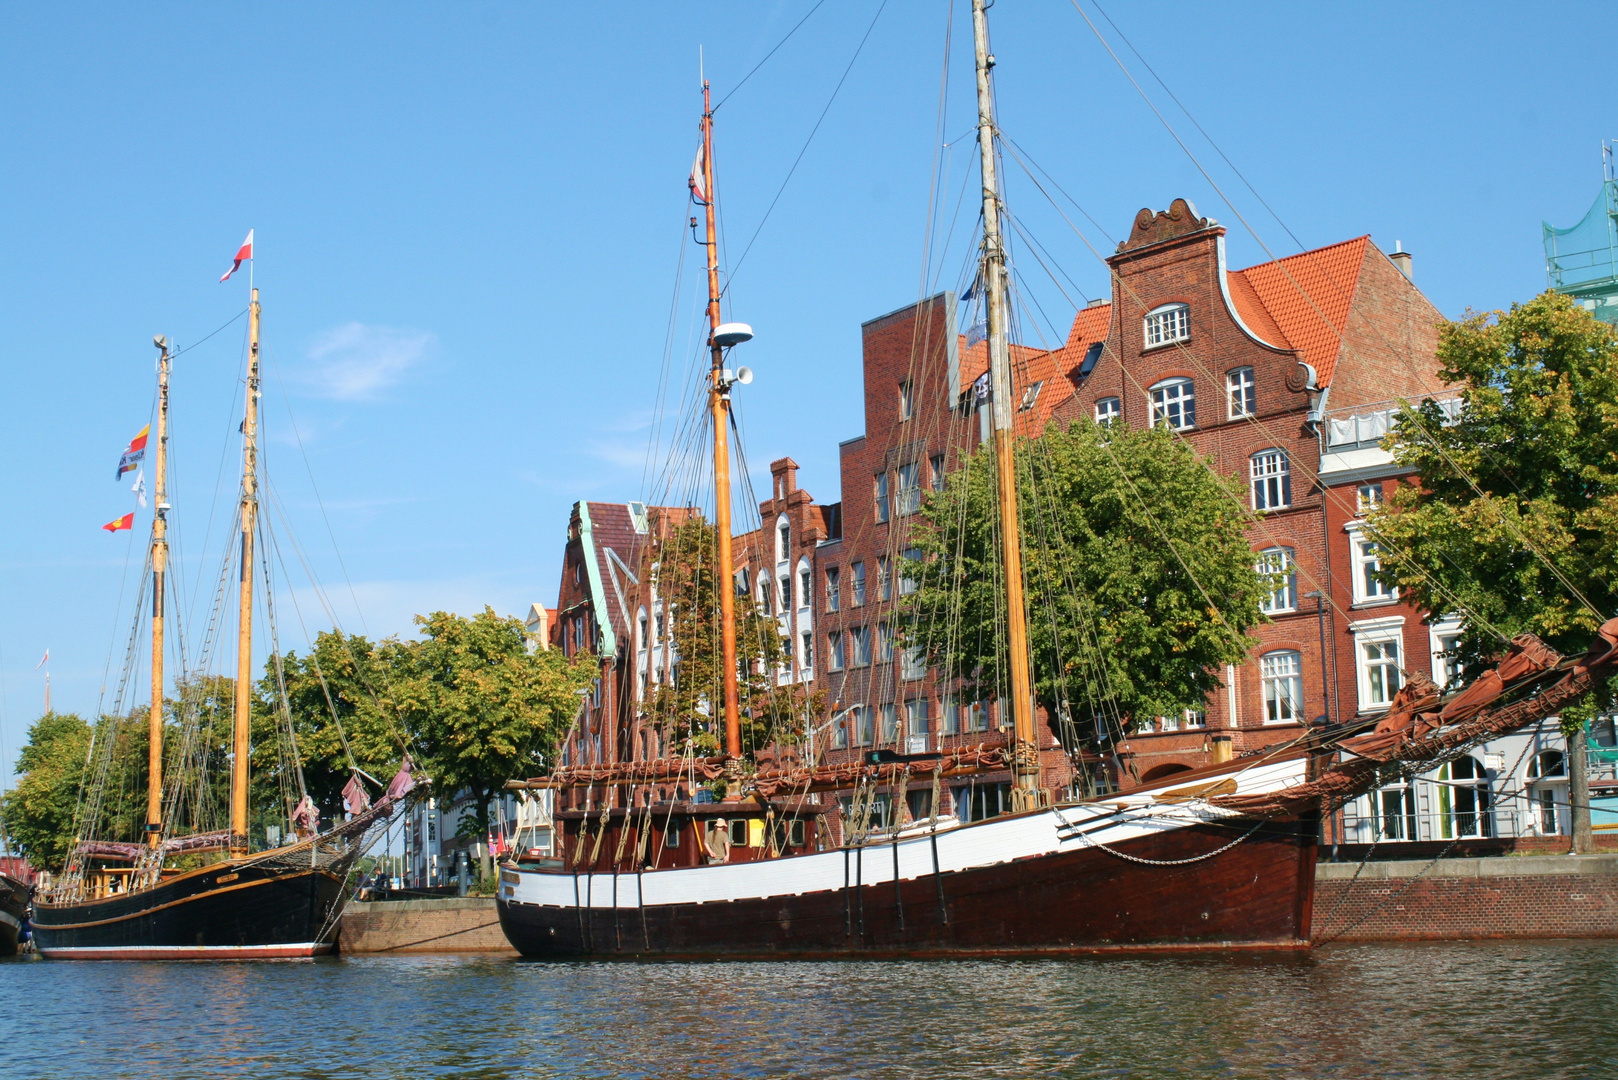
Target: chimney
{"x": 1099, "y": 301}
{"x": 1401, "y": 259}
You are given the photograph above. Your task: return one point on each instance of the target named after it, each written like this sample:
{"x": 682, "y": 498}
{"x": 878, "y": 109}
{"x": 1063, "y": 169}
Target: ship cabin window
{"x": 672, "y": 832}
{"x": 1174, "y": 403}
{"x": 1240, "y": 392}
{"x": 1166, "y": 324}
{"x": 797, "y": 833}
{"x": 738, "y": 832}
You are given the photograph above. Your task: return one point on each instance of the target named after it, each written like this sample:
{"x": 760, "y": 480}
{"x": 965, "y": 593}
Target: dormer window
{"x": 1030, "y": 395}
{"x": 1167, "y": 324}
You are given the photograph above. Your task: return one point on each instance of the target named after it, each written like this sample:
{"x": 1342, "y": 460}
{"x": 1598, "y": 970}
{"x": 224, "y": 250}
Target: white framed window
{"x": 834, "y": 589}
{"x": 913, "y": 665}
{"x": 1030, "y": 396}
{"x": 951, "y": 715}
{"x": 1278, "y": 564}
{"x": 889, "y": 714}
{"x": 856, "y": 573}
{"x": 806, "y": 585}
{"x": 1465, "y": 803}
{"x": 839, "y": 733}
{"x": 1368, "y": 495}
{"x": 1369, "y": 586}
{"x": 884, "y": 642}
{"x": 807, "y": 660}
{"x": 909, "y": 493}
{"x": 1379, "y": 660}
{"x": 860, "y": 638}
{"x": 1282, "y": 674}
{"x": 1174, "y": 402}
{"x": 1446, "y": 639}
{"x": 783, "y": 534}
{"x": 916, "y": 727}
{"x": 834, "y": 649}
{"x": 1165, "y": 325}
{"x": 884, "y": 578}
{"x": 907, "y": 399}
{"x": 1108, "y": 410}
{"x": 1241, "y": 393}
{"x": 1196, "y": 718}
{"x": 907, "y": 581}
{"x": 937, "y": 462}
{"x": 879, "y": 494}
{"x": 1271, "y": 473}
{"x": 1547, "y": 793}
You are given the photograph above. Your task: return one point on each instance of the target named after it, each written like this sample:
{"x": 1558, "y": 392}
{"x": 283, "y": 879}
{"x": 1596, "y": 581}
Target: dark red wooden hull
{"x": 1089, "y": 900}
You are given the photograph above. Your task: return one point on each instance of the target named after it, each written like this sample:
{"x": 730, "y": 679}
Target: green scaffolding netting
{"x": 1586, "y": 254}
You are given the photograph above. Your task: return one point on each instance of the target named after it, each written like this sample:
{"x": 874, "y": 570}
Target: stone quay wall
{"x": 1547, "y": 896}
{"x": 451, "y": 925}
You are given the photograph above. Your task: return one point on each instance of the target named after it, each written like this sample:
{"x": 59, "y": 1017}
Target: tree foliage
{"x": 39, "y": 809}
{"x": 691, "y": 706}
{"x": 1513, "y": 523}
{"x": 479, "y": 706}
{"x": 1139, "y": 577}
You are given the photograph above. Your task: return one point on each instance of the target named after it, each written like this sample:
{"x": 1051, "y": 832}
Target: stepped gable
{"x": 1308, "y": 298}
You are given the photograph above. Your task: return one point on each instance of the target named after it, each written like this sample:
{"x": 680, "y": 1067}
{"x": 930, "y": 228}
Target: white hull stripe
{"x": 187, "y": 952}
{"x": 967, "y": 847}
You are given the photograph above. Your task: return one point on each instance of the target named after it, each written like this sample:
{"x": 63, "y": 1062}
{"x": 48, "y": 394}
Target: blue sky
{"x": 469, "y": 219}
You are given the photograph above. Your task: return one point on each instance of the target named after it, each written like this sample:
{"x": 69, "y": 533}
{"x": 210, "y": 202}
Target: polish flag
{"x": 243, "y": 253}
{"x": 125, "y": 522}
{"x": 699, "y": 178}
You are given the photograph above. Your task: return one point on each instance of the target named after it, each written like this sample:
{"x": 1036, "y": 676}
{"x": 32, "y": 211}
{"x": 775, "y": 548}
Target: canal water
{"x": 1498, "y": 1010}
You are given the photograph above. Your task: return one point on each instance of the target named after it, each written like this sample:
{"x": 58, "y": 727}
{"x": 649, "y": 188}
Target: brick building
{"x": 1284, "y": 374}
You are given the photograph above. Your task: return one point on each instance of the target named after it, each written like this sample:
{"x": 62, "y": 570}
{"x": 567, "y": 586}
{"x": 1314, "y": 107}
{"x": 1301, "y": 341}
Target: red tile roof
{"x": 1308, "y": 297}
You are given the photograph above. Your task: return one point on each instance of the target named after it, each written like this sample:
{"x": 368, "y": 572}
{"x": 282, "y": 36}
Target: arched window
{"x": 1282, "y": 674}
{"x": 1278, "y": 565}
{"x": 1464, "y": 803}
{"x": 1174, "y": 402}
{"x": 1272, "y": 480}
{"x": 1165, "y": 325}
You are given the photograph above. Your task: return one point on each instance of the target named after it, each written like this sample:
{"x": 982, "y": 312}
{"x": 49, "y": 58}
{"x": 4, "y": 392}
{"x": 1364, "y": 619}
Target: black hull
{"x": 13, "y": 913}
{"x": 255, "y": 912}
{"x": 1088, "y": 901}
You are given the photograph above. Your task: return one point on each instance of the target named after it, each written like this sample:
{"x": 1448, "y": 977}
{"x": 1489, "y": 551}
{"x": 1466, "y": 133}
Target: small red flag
{"x": 243, "y": 253}
{"x": 699, "y": 176}
{"x": 125, "y": 522}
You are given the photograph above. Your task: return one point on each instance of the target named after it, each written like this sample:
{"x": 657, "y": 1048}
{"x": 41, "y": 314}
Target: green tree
{"x": 691, "y": 706}
{"x": 39, "y": 808}
{"x": 1513, "y": 523}
{"x": 1139, "y": 578}
{"x": 339, "y": 689}
{"x": 481, "y": 707}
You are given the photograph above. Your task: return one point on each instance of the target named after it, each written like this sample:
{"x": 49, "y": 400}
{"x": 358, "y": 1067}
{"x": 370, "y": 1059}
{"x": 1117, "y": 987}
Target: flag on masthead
{"x": 243, "y": 253}
{"x": 133, "y": 453}
{"x": 699, "y": 177}
{"x": 125, "y": 522}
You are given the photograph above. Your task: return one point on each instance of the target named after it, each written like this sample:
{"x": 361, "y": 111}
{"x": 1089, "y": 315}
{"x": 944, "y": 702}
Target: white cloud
{"x": 353, "y": 362}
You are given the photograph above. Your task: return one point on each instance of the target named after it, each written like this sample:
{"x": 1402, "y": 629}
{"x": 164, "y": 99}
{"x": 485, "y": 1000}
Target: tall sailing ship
{"x": 173, "y": 894}
{"x": 1220, "y": 857}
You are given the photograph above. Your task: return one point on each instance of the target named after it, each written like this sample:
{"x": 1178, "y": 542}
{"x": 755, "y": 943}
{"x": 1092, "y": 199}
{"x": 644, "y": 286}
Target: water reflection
{"x": 1441, "y": 1010}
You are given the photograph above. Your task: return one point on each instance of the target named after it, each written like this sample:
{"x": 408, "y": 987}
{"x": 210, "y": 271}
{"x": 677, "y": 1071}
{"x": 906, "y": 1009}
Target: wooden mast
{"x": 1025, "y": 751}
{"x": 242, "y": 717}
{"x": 719, "y": 406}
{"x": 160, "y": 550}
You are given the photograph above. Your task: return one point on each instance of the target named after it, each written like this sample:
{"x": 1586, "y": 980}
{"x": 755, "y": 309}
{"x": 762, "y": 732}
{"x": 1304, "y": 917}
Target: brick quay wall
{"x": 1544, "y": 896}
{"x": 451, "y": 925}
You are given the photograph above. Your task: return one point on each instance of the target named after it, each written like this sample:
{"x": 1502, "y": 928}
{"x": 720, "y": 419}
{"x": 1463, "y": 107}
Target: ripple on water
{"x": 1532, "y": 1010}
